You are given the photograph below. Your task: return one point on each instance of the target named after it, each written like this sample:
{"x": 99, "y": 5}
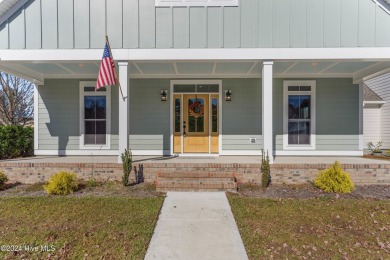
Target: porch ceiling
{"x": 357, "y": 70}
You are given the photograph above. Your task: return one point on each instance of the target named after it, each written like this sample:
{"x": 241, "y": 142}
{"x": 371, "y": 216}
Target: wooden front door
{"x": 196, "y": 123}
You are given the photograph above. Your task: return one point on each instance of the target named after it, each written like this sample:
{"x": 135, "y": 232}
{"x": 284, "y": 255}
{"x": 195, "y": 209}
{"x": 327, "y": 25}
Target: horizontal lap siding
{"x": 59, "y": 115}
{"x": 241, "y": 118}
{"x": 381, "y": 86}
{"x": 253, "y": 24}
{"x": 372, "y": 125}
{"x": 149, "y": 117}
{"x": 337, "y": 115}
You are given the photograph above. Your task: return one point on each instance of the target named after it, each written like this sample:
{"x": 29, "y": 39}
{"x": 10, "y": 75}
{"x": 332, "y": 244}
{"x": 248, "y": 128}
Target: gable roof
{"x": 370, "y": 95}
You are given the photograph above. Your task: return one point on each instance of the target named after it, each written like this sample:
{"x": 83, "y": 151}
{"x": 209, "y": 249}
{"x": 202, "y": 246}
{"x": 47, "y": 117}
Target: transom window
{"x": 299, "y": 114}
{"x": 94, "y": 116}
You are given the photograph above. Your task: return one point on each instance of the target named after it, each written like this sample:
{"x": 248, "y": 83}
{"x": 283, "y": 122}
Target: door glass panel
{"x": 214, "y": 115}
{"x": 177, "y": 115}
{"x": 196, "y": 115}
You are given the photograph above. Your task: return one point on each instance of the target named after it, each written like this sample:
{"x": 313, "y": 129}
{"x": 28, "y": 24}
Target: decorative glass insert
{"x": 299, "y": 118}
{"x": 299, "y": 88}
{"x": 177, "y": 115}
{"x": 95, "y": 120}
{"x": 196, "y": 115}
{"x": 214, "y": 115}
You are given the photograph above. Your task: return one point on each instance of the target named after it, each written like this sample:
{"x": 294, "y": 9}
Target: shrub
{"x": 16, "y": 142}
{"x": 62, "y": 183}
{"x": 127, "y": 160}
{"x": 3, "y": 180}
{"x": 334, "y": 179}
{"x": 265, "y": 170}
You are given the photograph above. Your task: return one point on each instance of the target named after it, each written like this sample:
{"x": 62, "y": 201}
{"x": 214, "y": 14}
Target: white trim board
{"x": 76, "y": 152}
{"x": 318, "y": 153}
{"x": 254, "y": 54}
{"x": 36, "y": 117}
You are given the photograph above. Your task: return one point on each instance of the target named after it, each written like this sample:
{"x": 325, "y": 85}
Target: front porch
{"x": 196, "y": 172}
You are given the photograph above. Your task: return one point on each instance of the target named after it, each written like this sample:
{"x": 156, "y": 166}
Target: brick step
{"x": 196, "y": 184}
{"x": 199, "y": 174}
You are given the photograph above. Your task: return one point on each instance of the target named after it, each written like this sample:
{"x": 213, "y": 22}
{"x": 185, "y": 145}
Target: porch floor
{"x": 202, "y": 159}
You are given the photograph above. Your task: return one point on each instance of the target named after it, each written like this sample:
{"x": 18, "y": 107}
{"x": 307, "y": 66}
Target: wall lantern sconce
{"x": 228, "y": 95}
{"x": 164, "y": 95}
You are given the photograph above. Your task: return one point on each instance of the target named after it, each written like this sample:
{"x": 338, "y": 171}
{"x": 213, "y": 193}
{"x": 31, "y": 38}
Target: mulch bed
{"x": 306, "y": 191}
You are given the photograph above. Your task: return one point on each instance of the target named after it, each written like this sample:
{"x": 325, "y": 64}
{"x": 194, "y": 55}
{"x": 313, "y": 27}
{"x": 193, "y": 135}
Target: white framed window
{"x": 299, "y": 114}
{"x": 95, "y": 116}
{"x": 196, "y": 2}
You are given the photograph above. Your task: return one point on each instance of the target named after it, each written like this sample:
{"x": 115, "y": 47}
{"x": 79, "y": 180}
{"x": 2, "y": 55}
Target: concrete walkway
{"x": 196, "y": 226}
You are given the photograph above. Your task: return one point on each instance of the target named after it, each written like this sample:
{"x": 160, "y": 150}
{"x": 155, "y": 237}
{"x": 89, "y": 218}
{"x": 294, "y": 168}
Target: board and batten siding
{"x": 59, "y": 115}
{"x": 381, "y": 86}
{"x": 372, "y": 124}
{"x": 67, "y": 24}
{"x": 337, "y": 115}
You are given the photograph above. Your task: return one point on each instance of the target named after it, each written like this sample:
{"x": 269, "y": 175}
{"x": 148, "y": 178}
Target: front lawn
{"x": 84, "y": 227}
{"x": 321, "y": 228}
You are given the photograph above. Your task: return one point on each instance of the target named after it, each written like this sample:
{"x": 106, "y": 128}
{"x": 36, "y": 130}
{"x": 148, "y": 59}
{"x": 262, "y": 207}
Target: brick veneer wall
{"x": 244, "y": 173}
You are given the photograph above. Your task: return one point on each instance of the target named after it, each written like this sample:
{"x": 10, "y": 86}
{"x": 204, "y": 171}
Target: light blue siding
{"x": 181, "y": 30}
{"x": 17, "y": 31}
{"x": 214, "y": 27}
{"x": 114, "y": 23}
{"x": 130, "y": 24}
{"x": 298, "y": 24}
{"x": 315, "y": 23}
{"x": 81, "y": 24}
{"x": 59, "y": 115}
{"x": 252, "y": 24}
{"x": 97, "y": 23}
{"x": 332, "y": 15}
{"x": 33, "y": 26}
{"x": 366, "y": 23}
{"x": 65, "y": 24}
{"x": 337, "y": 115}
{"x": 49, "y": 24}
{"x": 164, "y": 28}
{"x": 249, "y": 23}
{"x": 147, "y": 22}
{"x": 349, "y": 23}
{"x": 231, "y": 25}
{"x": 281, "y": 24}
{"x": 265, "y": 24}
{"x": 198, "y": 29}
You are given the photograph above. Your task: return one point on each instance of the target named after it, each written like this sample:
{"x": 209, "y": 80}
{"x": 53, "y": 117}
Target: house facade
{"x": 213, "y": 77}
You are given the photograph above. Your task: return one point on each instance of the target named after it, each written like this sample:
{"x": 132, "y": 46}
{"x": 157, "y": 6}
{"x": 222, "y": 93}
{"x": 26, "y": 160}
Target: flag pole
{"x": 116, "y": 74}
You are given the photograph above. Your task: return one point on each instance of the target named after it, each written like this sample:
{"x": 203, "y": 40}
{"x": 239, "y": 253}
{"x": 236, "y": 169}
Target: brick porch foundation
{"x": 362, "y": 174}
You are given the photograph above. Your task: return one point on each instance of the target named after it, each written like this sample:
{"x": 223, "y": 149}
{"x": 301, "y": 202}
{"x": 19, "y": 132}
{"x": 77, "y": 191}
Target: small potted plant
{"x": 375, "y": 149}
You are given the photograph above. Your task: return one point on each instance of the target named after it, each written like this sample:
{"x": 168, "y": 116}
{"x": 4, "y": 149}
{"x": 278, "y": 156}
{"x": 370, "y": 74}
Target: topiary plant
{"x": 62, "y": 183}
{"x": 127, "y": 160}
{"x": 334, "y": 179}
{"x": 265, "y": 170}
{"x": 3, "y": 180}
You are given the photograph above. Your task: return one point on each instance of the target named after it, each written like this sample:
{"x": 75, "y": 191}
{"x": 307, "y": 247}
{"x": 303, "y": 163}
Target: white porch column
{"x": 361, "y": 100}
{"x": 267, "y": 109}
{"x": 123, "y": 109}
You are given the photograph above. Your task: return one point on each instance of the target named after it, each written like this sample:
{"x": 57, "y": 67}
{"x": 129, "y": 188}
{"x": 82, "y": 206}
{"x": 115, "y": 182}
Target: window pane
{"x": 293, "y": 130}
{"x": 177, "y": 115}
{"x": 102, "y": 89}
{"x": 214, "y": 119}
{"x": 100, "y": 132}
{"x": 305, "y": 88}
{"x": 89, "y": 89}
{"x": 304, "y": 133}
{"x": 184, "y": 88}
{"x": 90, "y": 130}
{"x": 207, "y": 88}
{"x": 293, "y": 107}
{"x": 293, "y": 88}
{"x": 304, "y": 111}
{"x": 89, "y": 107}
{"x": 196, "y": 115}
{"x": 100, "y": 107}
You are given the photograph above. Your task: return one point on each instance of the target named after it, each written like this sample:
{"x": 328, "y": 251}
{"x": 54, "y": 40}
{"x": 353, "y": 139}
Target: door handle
{"x": 184, "y": 128}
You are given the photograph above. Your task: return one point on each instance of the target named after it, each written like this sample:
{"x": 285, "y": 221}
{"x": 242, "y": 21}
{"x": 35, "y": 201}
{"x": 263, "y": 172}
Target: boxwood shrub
{"x": 16, "y": 142}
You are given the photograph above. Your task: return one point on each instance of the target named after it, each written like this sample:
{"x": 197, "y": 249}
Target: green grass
{"x": 111, "y": 227}
{"x": 314, "y": 228}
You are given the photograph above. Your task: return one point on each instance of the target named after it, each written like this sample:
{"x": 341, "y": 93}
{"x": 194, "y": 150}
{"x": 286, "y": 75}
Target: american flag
{"x": 107, "y": 69}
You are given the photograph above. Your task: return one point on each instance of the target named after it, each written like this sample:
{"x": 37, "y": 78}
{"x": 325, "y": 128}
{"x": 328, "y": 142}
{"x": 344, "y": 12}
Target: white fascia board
{"x": 275, "y": 54}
